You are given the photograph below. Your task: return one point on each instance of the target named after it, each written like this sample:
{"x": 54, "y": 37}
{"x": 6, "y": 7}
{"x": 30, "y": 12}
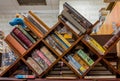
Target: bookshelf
{"x": 69, "y": 41}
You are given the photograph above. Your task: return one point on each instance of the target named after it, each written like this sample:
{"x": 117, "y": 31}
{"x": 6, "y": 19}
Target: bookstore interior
{"x": 73, "y": 49}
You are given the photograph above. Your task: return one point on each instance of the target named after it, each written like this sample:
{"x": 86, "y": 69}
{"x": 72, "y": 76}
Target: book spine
{"x": 63, "y": 39}
{"x": 76, "y": 24}
{"x": 55, "y": 44}
{"x": 22, "y": 37}
{"x": 82, "y": 19}
{"x": 34, "y": 65}
{"x": 32, "y": 28}
{"x": 27, "y": 34}
{"x": 36, "y": 24}
{"x": 48, "y": 54}
{"x": 69, "y": 24}
{"x": 40, "y": 21}
{"x": 79, "y": 67}
{"x": 40, "y": 61}
{"x": 79, "y": 60}
{"x": 74, "y": 67}
{"x": 19, "y": 40}
{"x": 95, "y": 45}
{"x": 15, "y": 44}
{"x": 85, "y": 57}
{"x": 60, "y": 41}
{"x": 43, "y": 57}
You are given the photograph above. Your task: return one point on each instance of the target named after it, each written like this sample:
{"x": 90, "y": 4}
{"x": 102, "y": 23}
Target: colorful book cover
{"x": 63, "y": 39}
{"x": 48, "y": 54}
{"x": 43, "y": 57}
{"x": 39, "y": 60}
{"x": 34, "y": 65}
{"x": 85, "y": 57}
{"x": 81, "y": 61}
{"x": 79, "y": 67}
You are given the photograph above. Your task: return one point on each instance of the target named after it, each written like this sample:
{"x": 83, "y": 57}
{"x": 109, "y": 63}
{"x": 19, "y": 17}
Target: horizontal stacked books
{"x": 60, "y": 39}
{"x": 41, "y": 59}
{"x": 74, "y": 20}
{"x": 101, "y": 70}
{"x": 61, "y": 71}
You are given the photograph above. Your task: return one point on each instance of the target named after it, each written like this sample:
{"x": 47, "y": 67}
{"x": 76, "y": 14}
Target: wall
{"x": 88, "y": 8}
{"x": 50, "y": 19}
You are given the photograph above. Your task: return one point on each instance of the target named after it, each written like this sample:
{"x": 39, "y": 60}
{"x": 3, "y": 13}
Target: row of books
{"x": 75, "y": 20}
{"x": 60, "y": 40}
{"x": 93, "y": 43}
{"x": 80, "y": 61}
{"x": 20, "y": 38}
{"x": 35, "y": 24}
{"x": 101, "y": 70}
{"x": 61, "y": 71}
{"x": 41, "y": 59}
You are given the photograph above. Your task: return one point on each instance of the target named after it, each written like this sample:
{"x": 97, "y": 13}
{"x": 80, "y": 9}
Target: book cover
{"x": 36, "y": 24}
{"x": 81, "y": 61}
{"x": 69, "y": 24}
{"x": 22, "y": 37}
{"x": 59, "y": 41}
{"x": 48, "y": 54}
{"x": 40, "y": 21}
{"x": 39, "y": 60}
{"x": 40, "y": 54}
{"x": 93, "y": 43}
{"x": 21, "y": 42}
{"x": 63, "y": 39}
{"x": 54, "y": 45}
{"x": 32, "y": 28}
{"x": 79, "y": 67}
{"x": 73, "y": 22}
{"x": 10, "y": 39}
{"x": 77, "y": 16}
{"x": 27, "y": 34}
{"x": 85, "y": 57}
{"x": 34, "y": 65}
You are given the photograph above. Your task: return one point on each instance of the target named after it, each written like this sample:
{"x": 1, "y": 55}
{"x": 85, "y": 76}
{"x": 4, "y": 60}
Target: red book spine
{"x": 43, "y": 57}
{"x": 22, "y": 37}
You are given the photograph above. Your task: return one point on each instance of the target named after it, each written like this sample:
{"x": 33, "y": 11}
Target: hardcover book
{"x": 48, "y": 54}
{"x": 22, "y": 37}
{"x": 10, "y": 39}
{"x": 34, "y": 65}
{"x": 40, "y": 61}
{"x": 26, "y": 34}
{"x": 85, "y": 57}
{"x": 40, "y": 54}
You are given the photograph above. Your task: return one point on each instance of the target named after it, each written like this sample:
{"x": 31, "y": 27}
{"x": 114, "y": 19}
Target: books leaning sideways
{"x": 93, "y": 43}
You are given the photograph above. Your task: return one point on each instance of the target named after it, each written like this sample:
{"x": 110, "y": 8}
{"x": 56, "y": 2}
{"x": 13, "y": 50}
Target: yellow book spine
{"x": 98, "y": 45}
{"x": 63, "y": 39}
